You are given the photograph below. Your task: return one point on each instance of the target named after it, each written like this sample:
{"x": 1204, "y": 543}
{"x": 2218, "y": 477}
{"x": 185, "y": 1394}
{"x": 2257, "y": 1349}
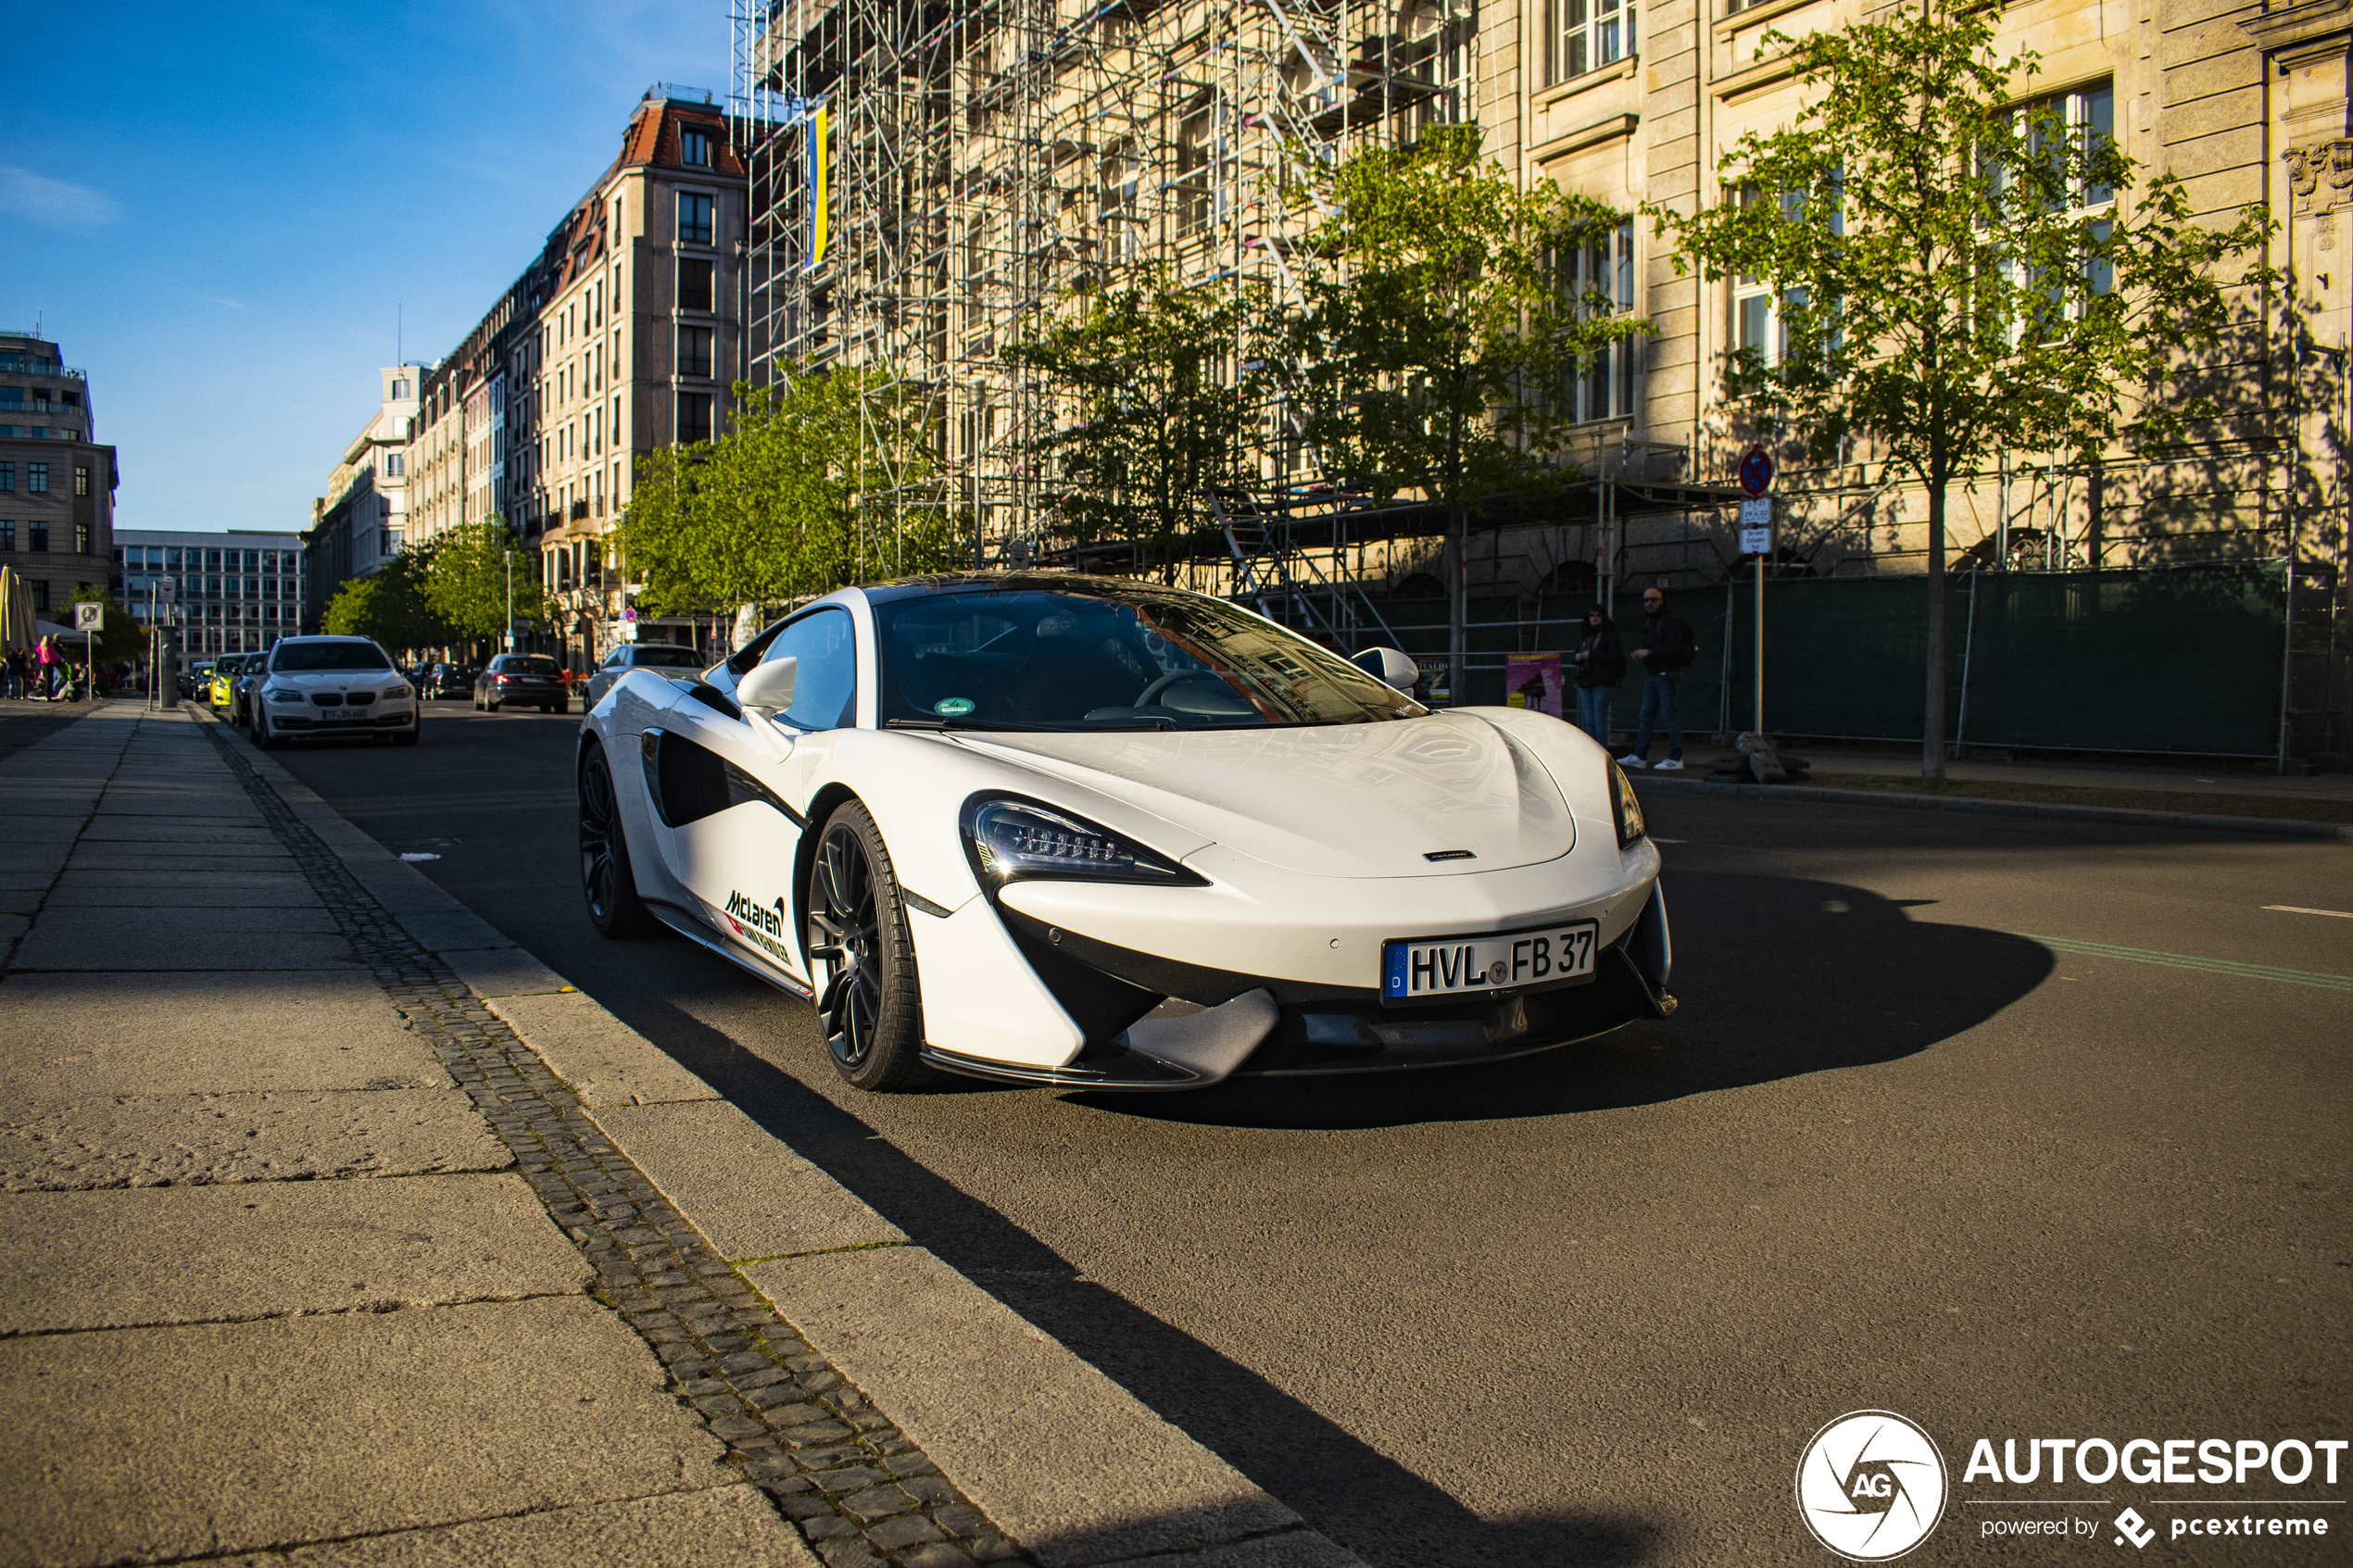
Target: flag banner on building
{"x": 819, "y": 187}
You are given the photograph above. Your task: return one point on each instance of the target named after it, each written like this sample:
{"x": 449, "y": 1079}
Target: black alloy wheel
{"x": 609, "y": 886}
{"x": 872, "y": 1004}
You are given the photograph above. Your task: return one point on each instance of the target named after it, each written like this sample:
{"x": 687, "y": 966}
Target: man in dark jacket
{"x": 1667, "y": 647}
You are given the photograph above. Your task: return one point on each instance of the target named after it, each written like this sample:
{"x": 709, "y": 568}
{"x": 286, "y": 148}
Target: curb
{"x": 1068, "y": 1463}
{"x": 2266, "y": 827}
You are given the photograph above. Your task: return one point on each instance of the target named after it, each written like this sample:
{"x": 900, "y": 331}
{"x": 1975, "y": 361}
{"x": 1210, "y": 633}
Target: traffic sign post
{"x": 1757, "y": 540}
{"x": 90, "y": 619}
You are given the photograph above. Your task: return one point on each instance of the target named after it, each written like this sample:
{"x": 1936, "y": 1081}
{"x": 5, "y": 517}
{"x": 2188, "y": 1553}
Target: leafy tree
{"x": 1443, "y": 325}
{"x": 123, "y": 638}
{"x": 780, "y": 508}
{"x": 1162, "y": 383}
{"x": 1957, "y": 272}
{"x": 390, "y": 605}
{"x": 466, "y": 580}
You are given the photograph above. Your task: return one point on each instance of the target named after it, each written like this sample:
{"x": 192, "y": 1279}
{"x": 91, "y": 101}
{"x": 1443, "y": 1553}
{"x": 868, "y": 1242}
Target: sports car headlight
{"x": 1624, "y": 809}
{"x": 1011, "y": 839}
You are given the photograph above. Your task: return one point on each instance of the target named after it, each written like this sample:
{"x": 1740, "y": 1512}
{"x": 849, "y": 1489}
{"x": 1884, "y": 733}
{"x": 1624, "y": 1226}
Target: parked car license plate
{"x": 1445, "y": 966}
{"x": 334, "y": 714}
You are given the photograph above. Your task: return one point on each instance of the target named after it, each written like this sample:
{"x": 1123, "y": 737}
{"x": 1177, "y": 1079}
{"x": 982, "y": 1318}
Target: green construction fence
{"x": 2177, "y": 659}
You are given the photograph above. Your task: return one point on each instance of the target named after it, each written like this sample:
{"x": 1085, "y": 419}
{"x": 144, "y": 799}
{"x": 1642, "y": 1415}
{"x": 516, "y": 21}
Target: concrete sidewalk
{"x": 335, "y": 1228}
{"x": 268, "y": 1280}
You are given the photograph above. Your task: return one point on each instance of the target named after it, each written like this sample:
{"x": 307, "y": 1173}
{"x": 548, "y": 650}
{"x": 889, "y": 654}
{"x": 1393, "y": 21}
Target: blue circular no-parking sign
{"x": 1756, "y": 471}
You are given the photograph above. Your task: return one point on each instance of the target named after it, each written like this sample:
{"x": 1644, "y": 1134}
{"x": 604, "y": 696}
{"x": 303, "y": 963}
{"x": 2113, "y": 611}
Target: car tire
{"x": 607, "y": 881}
{"x": 266, "y": 738}
{"x": 871, "y": 1007}
{"x": 413, "y": 733}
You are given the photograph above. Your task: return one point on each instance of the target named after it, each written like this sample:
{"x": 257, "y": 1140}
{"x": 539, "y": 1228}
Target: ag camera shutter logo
{"x": 1871, "y": 1486}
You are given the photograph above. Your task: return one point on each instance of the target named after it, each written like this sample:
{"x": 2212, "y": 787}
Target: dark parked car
{"x": 667, "y": 657}
{"x": 527, "y": 680}
{"x": 447, "y": 681}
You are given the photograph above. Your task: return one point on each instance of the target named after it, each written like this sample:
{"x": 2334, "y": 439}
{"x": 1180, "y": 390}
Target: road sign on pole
{"x": 1756, "y": 543}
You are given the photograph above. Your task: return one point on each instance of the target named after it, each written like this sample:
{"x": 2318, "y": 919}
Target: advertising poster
{"x": 1533, "y": 680}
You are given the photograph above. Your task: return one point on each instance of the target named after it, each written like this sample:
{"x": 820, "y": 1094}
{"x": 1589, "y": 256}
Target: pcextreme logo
{"x": 1870, "y": 1486}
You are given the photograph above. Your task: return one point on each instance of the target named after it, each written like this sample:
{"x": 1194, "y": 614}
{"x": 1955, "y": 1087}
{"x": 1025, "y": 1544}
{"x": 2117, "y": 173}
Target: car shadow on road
{"x": 1361, "y": 1496}
{"x": 1778, "y": 977}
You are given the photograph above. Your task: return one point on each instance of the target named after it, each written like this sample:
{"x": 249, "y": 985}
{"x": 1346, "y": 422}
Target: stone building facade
{"x": 623, "y": 335}
{"x": 57, "y": 481}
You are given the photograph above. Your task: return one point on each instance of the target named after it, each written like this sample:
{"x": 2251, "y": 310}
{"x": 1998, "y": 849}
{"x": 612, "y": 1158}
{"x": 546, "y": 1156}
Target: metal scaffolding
{"x": 930, "y": 176}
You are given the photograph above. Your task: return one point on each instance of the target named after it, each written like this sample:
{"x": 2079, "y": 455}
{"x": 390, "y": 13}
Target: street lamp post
{"x": 511, "y": 601}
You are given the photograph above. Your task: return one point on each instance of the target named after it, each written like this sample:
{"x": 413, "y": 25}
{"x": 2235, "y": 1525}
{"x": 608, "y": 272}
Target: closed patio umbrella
{"x": 18, "y": 625}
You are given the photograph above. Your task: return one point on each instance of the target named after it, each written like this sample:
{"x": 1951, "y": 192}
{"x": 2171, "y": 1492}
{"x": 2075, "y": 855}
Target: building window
{"x": 694, "y": 146}
{"x": 8, "y": 476}
{"x": 81, "y": 538}
{"x": 7, "y": 535}
{"x": 1583, "y": 35}
{"x": 40, "y": 594}
{"x": 1598, "y": 278}
{"x": 394, "y": 465}
{"x": 694, "y": 284}
{"x": 36, "y": 478}
{"x": 81, "y": 479}
{"x": 694, "y": 351}
{"x": 694, "y": 416}
{"x": 36, "y": 538}
{"x": 693, "y": 219}
{"x": 1756, "y": 311}
{"x": 2087, "y": 117}
{"x": 399, "y": 388}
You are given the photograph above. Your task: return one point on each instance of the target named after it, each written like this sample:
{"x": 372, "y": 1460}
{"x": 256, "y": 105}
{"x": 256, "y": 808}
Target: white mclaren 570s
{"x": 1094, "y": 833}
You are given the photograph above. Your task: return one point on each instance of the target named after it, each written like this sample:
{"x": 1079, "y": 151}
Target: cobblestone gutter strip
{"x": 859, "y": 1490}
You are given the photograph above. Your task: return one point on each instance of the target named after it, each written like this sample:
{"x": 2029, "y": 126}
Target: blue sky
{"x": 219, "y": 210}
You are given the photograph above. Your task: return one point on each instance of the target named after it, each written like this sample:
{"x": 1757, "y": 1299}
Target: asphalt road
{"x": 1588, "y": 1306}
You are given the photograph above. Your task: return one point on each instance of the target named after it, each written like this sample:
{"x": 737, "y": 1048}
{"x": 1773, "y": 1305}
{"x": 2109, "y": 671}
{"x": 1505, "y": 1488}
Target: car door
{"x": 730, "y": 785}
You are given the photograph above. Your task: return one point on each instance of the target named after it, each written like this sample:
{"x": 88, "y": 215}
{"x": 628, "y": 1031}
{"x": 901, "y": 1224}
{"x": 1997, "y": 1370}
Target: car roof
{"x": 1031, "y": 582}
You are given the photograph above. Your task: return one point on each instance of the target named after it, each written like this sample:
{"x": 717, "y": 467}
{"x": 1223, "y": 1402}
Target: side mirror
{"x": 769, "y": 687}
{"x": 1390, "y": 665}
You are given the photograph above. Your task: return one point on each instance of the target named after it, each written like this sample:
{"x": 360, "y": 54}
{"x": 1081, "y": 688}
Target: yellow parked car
{"x": 224, "y": 679}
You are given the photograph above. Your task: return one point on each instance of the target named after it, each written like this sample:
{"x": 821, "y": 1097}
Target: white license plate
{"x": 334, "y": 713}
{"x": 1450, "y": 966}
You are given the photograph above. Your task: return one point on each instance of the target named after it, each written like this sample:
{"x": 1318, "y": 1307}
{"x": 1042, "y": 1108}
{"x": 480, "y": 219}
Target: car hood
{"x": 1346, "y": 800}
{"x": 337, "y": 680}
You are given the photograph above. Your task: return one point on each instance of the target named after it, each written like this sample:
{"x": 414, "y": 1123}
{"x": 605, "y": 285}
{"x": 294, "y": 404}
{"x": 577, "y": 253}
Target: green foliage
{"x": 1939, "y": 256}
{"x": 121, "y": 640}
{"x": 775, "y": 510}
{"x": 465, "y": 580}
{"x": 1942, "y": 277}
{"x": 390, "y": 606}
{"x": 1162, "y": 385}
{"x": 1440, "y": 334}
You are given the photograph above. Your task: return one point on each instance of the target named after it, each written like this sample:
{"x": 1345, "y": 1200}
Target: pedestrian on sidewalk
{"x": 12, "y": 679}
{"x": 1667, "y": 648}
{"x": 1601, "y": 665}
{"x": 49, "y": 661}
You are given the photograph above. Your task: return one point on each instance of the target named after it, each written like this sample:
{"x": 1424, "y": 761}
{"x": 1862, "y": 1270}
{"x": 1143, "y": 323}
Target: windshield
{"x": 301, "y": 658}
{"x": 526, "y": 664}
{"x": 668, "y": 658}
{"x": 1125, "y": 655}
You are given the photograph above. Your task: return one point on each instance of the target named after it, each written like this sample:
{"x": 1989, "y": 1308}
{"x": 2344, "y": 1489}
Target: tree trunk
{"x": 1933, "y": 719}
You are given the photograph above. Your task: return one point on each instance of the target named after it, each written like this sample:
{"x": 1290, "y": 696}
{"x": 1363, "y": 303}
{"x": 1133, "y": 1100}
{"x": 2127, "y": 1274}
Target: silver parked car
{"x": 668, "y": 658}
